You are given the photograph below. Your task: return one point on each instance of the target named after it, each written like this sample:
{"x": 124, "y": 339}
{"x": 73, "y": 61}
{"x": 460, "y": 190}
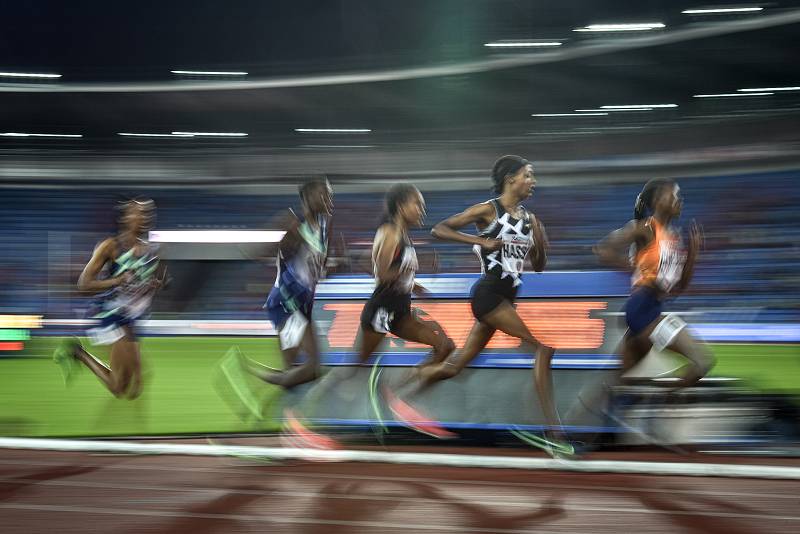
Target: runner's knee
{"x": 119, "y": 388}
{"x": 448, "y": 369}
{"x": 445, "y": 346}
{"x": 702, "y": 361}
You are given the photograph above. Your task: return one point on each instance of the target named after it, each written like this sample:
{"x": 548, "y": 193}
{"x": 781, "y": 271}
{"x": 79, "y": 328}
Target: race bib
{"x": 514, "y": 252}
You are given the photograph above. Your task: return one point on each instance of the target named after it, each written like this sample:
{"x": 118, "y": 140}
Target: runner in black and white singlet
{"x": 123, "y": 274}
{"x": 502, "y": 269}
{"x": 394, "y": 263}
{"x": 388, "y": 309}
{"x": 390, "y": 303}
{"x": 507, "y": 234}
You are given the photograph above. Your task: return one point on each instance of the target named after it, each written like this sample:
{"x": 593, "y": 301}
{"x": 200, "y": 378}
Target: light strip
{"x": 615, "y": 110}
{"x": 211, "y": 134}
{"x": 640, "y": 26}
{"x": 641, "y": 106}
{"x": 522, "y": 44}
{"x": 332, "y": 130}
{"x": 569, "y": 114}
{"x": 762, "y": 89}
{"x": 161, "y": 135}
{"x": 713, "y": 10}
{"x": 337, "y": 146}
{"x": 216, "y": 236}
{"x": 725, "y": 95}
{"x": 28, "y": 75}
{"x": 20, "y": 134}
{"x": 209, "y": 73}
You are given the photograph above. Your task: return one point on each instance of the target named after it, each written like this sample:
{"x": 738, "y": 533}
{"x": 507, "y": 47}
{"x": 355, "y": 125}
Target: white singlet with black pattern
{"x": 517, "y": 237}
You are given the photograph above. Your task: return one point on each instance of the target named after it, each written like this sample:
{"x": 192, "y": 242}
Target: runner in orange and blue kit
{"x": 663, "y": 268}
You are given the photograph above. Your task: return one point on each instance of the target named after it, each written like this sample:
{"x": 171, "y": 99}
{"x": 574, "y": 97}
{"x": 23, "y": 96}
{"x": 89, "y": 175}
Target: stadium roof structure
{"x": 366, "y": 87}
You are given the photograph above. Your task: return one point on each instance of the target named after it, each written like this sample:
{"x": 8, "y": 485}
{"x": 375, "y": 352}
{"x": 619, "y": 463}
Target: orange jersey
{"x": 660, "y": 263}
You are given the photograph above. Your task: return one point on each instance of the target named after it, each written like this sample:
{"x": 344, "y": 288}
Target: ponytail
{"x": 644, "y": 200}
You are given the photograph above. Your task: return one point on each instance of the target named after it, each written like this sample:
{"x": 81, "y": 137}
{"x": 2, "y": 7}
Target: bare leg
{"x": 265, "y": 372}
{"x": 592, "y": 398}
{"x": 290, "y": 355}
{"x": 125, "y": 366}
{"x": 701, "y": 360}
{"x": 506, "y": 319}
{"x": 100, "y": 369}
{"x": 124, "y": 370}
{"x": 478, "y": 337}
{"x": 369, "y": 342}
{"x": 134, "y": 389}
{"x": 411, "y": 328}
{"x": 633, "y": 350}
{"x": 295, "y": 375}
{"x": 442, "y": 345}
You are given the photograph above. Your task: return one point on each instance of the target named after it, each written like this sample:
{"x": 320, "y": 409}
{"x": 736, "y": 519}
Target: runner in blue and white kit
{"x": 302, "y": 254}
{"x": 124, "y": 275}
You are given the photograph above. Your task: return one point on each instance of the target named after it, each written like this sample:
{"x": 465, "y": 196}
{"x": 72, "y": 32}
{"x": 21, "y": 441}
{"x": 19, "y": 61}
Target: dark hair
{"x": 125, "y": 202}
{"x": 503, "y": 168}
{"x": 311, "y": 185}
{"x": 645, "y": 199}
{"x": 395, "y": 196}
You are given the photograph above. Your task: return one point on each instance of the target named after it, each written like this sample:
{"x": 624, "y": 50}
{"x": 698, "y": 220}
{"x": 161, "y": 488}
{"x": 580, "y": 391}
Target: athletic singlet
{"x": 305, "y": 267}
{"x": 131, "y": 299}
{"x": 517, "y": 236}
{"x": 404, "y": 259}
{"x": 660, "y": 263}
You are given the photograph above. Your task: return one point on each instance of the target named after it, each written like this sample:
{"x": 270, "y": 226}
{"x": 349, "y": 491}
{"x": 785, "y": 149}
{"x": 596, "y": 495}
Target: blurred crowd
{"x": 748, "y": 266}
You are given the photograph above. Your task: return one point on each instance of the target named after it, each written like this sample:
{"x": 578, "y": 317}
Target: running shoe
{"x": 64, "y": 357}
{"x": 232, "y": 367}
{"x": 298, "y": 435}
{"x": 414, "y": 419}
{"x": 557, "y": 448}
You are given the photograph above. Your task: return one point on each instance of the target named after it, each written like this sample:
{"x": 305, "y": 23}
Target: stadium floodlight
{"x": 209, "y": 73}
{"x": 22, "y": 134}
{"x": 526, "y": 43}
{"x": 569, "y": 114}
{"x": 28, "y": 75}
{"x": 763, "y": 89}
{"x": 337, "y": 146}
{"x": 332, "y": 130}
{"x": 156, "y": 135}
{"x": 629, "y": 27}
{"x": 640, "y": 106}
{"x": 613, "y": 110}
{"x": 726, "y": 95}
{"x": 211, "y": 134}
{"x": 721, "y": 10}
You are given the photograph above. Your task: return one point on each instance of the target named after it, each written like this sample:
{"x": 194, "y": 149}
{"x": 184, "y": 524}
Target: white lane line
{"x": 284, "y": 472}
{"x": 500, "y": 502}
{"x": 436, "y": 459}
{"x": 272, "y": 519}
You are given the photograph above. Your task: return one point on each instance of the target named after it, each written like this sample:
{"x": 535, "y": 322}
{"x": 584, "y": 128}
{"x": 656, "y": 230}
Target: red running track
{"x": 75, "y": 492}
